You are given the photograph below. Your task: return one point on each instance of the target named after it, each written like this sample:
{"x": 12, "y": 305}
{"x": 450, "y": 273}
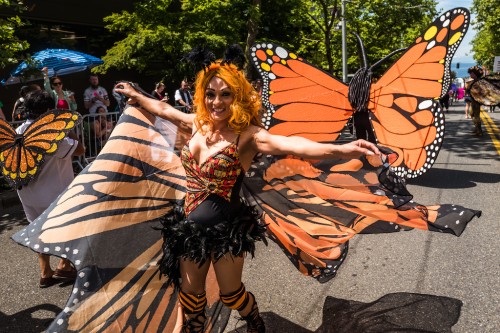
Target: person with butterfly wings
{"x": 37, "y": 160}
{"x": 214, "y": 226}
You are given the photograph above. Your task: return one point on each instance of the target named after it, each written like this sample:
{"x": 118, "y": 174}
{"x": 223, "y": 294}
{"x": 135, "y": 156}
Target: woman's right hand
{"x": 45, "y": 71}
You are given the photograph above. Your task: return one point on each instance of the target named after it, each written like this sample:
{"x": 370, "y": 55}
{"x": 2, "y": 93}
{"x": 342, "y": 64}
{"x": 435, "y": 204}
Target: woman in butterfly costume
{"x": 311, "y": 207}
{"x": 214, "y": 226}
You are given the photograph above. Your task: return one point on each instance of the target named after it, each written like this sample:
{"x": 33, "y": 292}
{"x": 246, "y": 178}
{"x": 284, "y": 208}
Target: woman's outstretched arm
{"x": 268, "y": 143}
{"x": 156, "y": 107}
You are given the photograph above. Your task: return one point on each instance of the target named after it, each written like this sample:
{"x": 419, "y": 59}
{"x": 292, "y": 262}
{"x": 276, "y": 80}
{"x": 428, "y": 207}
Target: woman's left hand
{"x": 126, "y": 89}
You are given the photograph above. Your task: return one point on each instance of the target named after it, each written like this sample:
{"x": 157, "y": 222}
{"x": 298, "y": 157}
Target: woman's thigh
{"x": 193, "y": 276}
{"x": 228, "y": 271}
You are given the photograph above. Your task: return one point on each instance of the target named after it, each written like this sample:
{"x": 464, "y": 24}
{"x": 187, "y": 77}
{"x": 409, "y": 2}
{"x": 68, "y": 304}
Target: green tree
{"x": 10, "y": 44}
{"x": 383, "y": 25}
{"x": 157, "y": 34}
{"x": 486, "y": 44}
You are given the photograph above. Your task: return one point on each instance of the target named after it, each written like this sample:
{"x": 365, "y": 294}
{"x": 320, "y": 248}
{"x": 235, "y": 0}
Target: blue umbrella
{"x": 58, "y": 61}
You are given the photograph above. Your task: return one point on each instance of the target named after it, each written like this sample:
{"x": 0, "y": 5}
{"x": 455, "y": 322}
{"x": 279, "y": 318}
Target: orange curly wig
{"x": 246, "y": 104}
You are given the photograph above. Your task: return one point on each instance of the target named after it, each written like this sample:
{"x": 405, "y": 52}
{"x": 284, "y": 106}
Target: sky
{"x": 464, "y": 52}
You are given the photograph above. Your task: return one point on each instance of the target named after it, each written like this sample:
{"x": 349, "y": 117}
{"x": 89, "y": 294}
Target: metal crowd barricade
{"x": 94, "y": 130}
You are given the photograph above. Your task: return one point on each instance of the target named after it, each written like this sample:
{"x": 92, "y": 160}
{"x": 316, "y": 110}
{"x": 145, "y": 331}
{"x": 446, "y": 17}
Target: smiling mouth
{"x": 218, "y": 110}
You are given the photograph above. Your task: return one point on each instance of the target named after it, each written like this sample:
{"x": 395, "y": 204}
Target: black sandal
{"x": 255, "y": 323}
{"x": 194, "y": 324}
{"x": 46, "y": 282}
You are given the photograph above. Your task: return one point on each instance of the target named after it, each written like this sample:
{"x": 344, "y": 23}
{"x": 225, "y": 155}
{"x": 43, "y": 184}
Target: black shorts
{"x": 204, "y": 240}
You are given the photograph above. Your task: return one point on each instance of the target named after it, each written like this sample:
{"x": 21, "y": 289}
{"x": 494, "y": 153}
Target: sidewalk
{"x": 8, "y": 199}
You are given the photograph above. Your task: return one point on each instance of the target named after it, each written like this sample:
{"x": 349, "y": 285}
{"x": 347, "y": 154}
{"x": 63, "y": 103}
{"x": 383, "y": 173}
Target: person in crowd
{"x": 64, "y": 99}
{"x": 257, "y": 85}
{"x": 453, "y": 93}
{"x": 467, "y": 98}
{"x": 159, "y": 93}
{"x": 55, "y": 176}
{"x": 226, "y": 135}
{"x": 95, "y": 95}
{"x": 445, "y": 102}
{"x": 19, "y": 113}
{"x": 183, "y": 97}
{"x": 475, "y": 73}
{"x": 101, "y": 129}
{"x": 460, "y": 93}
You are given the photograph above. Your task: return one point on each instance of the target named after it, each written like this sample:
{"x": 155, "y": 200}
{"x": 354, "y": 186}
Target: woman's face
{"x": 57, "y": 84}
{"x": 218, "y": 99}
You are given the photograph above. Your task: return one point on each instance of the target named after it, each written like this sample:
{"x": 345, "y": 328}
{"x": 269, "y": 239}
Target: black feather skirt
{"x": 186, "y": 239}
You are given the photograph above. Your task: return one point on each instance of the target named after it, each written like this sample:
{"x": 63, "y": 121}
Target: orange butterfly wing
{"x": 104, "y": 224}
{"x": 406, "y": 115}
{"x": 22, "y": 156}
{"x": 300, "y": 99}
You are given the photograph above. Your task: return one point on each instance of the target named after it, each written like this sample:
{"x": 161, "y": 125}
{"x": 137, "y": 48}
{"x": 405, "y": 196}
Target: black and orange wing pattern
{"x": 300, "y": 99}
{"x": 103, "y": 223}
{"x": 405, "y": 112}
{"x": 313, "y": 209}
{"x": 404, "y": 102}
{"x": 22, "y": 155}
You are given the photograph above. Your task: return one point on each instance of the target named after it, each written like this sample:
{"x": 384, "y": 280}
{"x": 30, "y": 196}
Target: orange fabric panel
{"x": 282, "y": 70}
{"x": 416, "y": 87}
{"x": 318, "y": 76}
{"x": 435, "y": 54}
{"x": 441, "y": 35}
{"x": 402, "y": 64}
{"x": 415, "y": 140}
{"x": 457, "y": 22}
{"x": 406, "y": 103}
{"x": 284, "y": 84}
{"x": 303, "y": 128}
{"x": 393, "y": 121}
{"x": 423, "y": 118}
{"x": 310, "y": 94}
{"x": 428, "y": 71}
{"x": 305, "y": 111}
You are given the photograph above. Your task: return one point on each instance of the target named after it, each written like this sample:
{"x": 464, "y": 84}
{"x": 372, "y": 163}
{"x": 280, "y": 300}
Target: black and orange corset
{"x": 217, "y": 175}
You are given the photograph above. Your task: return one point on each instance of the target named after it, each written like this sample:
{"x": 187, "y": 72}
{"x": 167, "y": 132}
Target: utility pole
{"x": 344, "y": 44}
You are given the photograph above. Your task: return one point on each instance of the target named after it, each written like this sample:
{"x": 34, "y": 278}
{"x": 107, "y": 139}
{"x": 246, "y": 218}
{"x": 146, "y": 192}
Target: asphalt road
{"x": 417, "y": 281}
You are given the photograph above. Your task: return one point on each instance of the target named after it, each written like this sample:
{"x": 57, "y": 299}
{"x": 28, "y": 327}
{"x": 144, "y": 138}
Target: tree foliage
{"x": 486, "y": 44}
{"x": 383, "y": 25}
{"x": 158, "y": 33}
{"x": 10, "y": 44}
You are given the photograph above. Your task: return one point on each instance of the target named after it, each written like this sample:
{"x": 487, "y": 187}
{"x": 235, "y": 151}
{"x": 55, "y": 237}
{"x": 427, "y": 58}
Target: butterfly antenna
{"x": 387, "y": 57}
{"x": 362, "y": 49}
{"x": 234, "y": 55}
{"x": 200, "y": 56}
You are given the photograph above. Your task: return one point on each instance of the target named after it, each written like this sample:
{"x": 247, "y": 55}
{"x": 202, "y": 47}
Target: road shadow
{"x": 398, "y": 312}
{"x": 25, "y": 321}
{"x": 458, "y": 138}
{"x": 12, "y": 218}
{"x": 449, "y": 178}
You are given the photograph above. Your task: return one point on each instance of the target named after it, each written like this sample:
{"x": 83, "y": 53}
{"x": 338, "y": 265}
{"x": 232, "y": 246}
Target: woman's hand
{"x": 126, "y": 89}
{"x": 358, "y": 148}
{"x": 45, "y": 71}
